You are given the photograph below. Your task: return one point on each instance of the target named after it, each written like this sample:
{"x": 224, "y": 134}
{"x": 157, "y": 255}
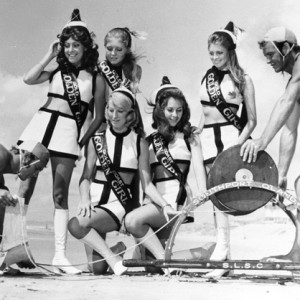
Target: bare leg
{"x": 89, "y": 231}
{"x": 140, "y": 222}
{"x": 294, "y": 254}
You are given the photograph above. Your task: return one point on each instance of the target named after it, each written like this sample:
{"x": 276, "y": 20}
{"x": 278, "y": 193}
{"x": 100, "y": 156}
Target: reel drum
{"x": 229, "y": 167}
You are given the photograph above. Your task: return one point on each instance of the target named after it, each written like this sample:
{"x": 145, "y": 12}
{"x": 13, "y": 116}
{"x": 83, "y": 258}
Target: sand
{"x": 252, "y": 237}
{"x": 263, "y": 233}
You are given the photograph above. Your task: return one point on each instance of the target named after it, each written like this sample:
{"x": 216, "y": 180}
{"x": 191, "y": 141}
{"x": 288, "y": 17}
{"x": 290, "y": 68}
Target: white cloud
{"x": 18, "y": 103}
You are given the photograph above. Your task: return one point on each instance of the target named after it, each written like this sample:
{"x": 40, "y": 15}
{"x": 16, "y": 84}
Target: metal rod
{"x": 209, "y": 264}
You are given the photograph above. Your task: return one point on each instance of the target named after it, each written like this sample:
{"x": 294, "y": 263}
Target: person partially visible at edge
{"x": 120, "y": 67}
{"x": 27, "y": 161}
{"x": 225, "y": 90}
{"x": 114, "y": 157}
{"x": 279, "y": 46}
{"x": 59, "y": 123}
{"x": 175, "y": 142}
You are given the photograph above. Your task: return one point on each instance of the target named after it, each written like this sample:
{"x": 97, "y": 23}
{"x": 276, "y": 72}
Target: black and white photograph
{"x": 149, "y": 149}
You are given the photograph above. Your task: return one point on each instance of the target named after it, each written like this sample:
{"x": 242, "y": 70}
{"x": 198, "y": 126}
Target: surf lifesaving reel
{"x": 237, "y": 188}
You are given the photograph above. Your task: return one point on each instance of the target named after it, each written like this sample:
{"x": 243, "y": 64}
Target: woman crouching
{"x": 114, "y": 156}
{"x": 174, "y": 148}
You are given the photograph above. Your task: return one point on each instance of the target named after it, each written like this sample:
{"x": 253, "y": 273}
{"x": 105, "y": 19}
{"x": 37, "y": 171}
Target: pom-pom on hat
{"x": 232, "y": 32}
{"x": 125, "y": 91}
{"x": 165, "y": 85}
{"x": 280, "y": 35}
{"x": 37, "y": 149}
{"x": 141, "y": 35}
{"x": 76, "y": 20}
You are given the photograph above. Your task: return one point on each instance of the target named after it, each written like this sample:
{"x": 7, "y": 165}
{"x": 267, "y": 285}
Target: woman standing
{"x": 58, "y": 124}
{"x": 121, "y": 65}
{"x": 174, "y": 149}
{"x": 114, "y": 157}
{"x": 224, "y": 89}
{"x": 119, "y": 68}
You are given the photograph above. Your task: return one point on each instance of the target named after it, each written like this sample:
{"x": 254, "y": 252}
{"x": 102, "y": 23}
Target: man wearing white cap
{"x": 26, "y": 161}
{"x": 280, "y": 48}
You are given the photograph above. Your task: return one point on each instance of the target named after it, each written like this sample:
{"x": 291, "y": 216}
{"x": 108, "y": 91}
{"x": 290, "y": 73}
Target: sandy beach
{"x": 265, "y": 232}
{"x": 252, "y": 237}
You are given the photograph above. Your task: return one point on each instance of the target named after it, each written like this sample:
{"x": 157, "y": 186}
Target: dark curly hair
{"x": 82, "y": 35}
{"x": 161, "y": 123}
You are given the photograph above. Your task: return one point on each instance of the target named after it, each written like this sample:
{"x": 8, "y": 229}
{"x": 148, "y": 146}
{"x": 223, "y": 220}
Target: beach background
{"x": 176, "y": 47}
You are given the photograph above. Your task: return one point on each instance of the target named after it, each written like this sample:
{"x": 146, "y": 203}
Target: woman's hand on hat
{"x": 85, "y": 208}
{"x": 55, "y": 48}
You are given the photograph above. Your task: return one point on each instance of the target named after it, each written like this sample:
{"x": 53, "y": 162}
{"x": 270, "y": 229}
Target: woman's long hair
{"x": 161, "y": 123}
{"x": 131, "y": 69}
{"x": 82, "y": 35}
{"x": 237, "y": 73}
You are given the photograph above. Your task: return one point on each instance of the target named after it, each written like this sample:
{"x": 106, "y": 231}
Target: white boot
{"x": 60, "y": 262}
{"x": 153, "y": 244}
{"x": 96, "y": 242}
{"x": 222, "y": 249}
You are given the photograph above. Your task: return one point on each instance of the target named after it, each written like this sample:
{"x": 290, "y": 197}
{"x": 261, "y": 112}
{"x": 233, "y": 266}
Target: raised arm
{"x": 37, "y": 74}
{"x": 100, "y": 103}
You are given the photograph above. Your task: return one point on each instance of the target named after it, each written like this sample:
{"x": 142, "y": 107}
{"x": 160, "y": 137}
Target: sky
{"x": 176, "y": 47}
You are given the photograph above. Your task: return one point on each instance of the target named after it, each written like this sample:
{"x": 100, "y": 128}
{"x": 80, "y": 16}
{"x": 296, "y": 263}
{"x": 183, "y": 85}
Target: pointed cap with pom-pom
{"x": 232, "y": 32}
{"x": 165, "y": 84}
{"x": 141, "y": 35}
{"x": 76, "y": 20}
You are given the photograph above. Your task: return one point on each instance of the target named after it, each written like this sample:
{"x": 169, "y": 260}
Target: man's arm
{"x": 279, "y": 116}
{"x": 6, "y": 198}
{"x": 288, "y": 142}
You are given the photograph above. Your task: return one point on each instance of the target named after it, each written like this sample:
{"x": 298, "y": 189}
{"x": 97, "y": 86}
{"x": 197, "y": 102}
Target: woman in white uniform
{"x": 114, "y": 157}
{"x": 224, "y": 89}
{"x": 58, "y": 124}
{"x": 174, "y": 149}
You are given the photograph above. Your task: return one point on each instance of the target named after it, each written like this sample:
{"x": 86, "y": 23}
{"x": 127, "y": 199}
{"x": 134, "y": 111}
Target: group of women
{"x": 93, "y": 104}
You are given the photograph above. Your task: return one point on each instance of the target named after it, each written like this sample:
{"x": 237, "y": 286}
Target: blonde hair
{"x": 131, "y": 69}
{"x": 120, "y": 100}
